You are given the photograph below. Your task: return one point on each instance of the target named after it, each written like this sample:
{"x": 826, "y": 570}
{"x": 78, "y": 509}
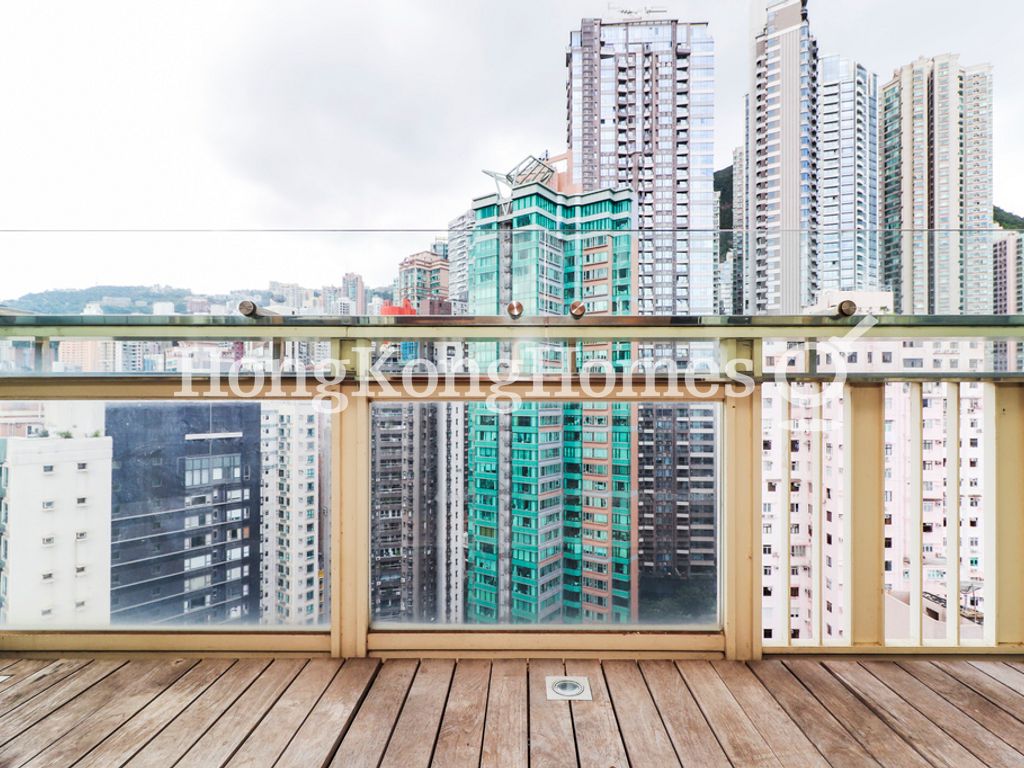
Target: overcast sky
{"x": 266, "y": 113}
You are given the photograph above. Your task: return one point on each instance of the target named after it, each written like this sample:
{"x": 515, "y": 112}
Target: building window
{"x": 47, "y": 469}
{"x": 82, "y": 466}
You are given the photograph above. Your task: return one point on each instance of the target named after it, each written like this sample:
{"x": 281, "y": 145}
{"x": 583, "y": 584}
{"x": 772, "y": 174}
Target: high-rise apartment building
{"x": 452, "y": 446}
{"x": 291, "y": 570}
{"x": 184, "y": 513}
{"x": 404, "y": 512}
{"x": 1008, "y": 273}
{"x": 423, "y": 282}
{"x": 936, "y": 188}
{"x": 847, "y": 177}
{"x": 781, "y": 197}
{"x": 641, "y": 116}
{"x": 355, "y": 291}
{"x": 736, "y": 302}
{"x": 1008, "y": 293}
{"x": 55, "y": 530}
{"x": 459, "y": 230}
{"x": 550, "y": 513}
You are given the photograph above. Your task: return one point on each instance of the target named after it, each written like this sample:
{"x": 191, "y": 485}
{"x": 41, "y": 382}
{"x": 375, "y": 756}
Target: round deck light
{"x": 567, "y": 688}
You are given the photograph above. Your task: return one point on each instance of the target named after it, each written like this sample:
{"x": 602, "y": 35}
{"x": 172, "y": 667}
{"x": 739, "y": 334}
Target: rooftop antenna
{"x": 636, "y": 12}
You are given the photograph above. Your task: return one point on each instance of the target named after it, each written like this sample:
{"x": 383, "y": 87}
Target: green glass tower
{"x": 550, "y": 504}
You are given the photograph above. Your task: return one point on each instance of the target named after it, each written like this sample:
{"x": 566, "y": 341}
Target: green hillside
{"x": 114, "y": 299}
{"x": 1008, "y": 220}
{"x": 723, "y": 185}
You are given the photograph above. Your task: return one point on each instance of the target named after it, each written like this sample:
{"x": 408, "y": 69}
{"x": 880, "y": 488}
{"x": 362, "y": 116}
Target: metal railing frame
{"x": 739, "y": 338}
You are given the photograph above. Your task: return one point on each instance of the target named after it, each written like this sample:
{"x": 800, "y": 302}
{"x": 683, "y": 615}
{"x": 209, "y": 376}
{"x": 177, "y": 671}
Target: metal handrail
{"x": 444, "y": 327}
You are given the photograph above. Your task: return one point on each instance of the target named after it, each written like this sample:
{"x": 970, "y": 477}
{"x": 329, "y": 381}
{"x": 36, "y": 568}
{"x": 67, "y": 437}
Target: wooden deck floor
{"x": 407, "y": 713}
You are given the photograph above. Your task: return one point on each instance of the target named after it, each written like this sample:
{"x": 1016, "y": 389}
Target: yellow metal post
{"x": 864, "y": 511}
{"x": 742, "y": 526}
{"x": 1004, "y": 470}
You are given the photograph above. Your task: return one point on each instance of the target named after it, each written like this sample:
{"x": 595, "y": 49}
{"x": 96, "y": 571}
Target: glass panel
{"x": 544, "y": 513}
{"x": 163, "y": 515}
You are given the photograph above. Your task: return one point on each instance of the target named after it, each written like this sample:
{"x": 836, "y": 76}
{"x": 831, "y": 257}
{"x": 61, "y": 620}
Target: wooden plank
{"x": 326, "y": 725}
{"x": 784, "y": 736}
{"x": 219, "y": 743}
{"x": 134, "y": 684}
{"x": 22, "y": 670}
{"x": 552, "y": 743}
{"x": 1004, "y": 673}
{"x": 35, "y": 684}
{"x": 270, "y": 738}
{"x": 55, "y": 697}
{"x": 127, "y": 740}
{"x": 598, "y": 741}
{"x": 507, "y": 730}
{"x": 741, "y": 741}
{"x": 965, "y": 699}
{"x": 982, "y": 744}
{"x": 176, "y": 739}
{"x": 110, "y": 713}
{"x": 927, "y": 738}
{"x": 839, "y": 747}
{"x": 367, "y": 737}
{"x": 870, "y": 731}
{"x": 462, "y": 729}
{"x": 412, "y": 742}
{"x": 692, "y": 737}
{"x": 987, "y": 686}
{"x": 647, "y": 742}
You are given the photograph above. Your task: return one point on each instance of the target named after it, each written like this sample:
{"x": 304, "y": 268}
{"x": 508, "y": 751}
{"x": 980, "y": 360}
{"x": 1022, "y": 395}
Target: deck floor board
{"x": 409, "y": 713}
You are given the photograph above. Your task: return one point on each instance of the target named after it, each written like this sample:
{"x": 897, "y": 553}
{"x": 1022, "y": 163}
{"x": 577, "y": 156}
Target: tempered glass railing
{"x": 562, "y": 495}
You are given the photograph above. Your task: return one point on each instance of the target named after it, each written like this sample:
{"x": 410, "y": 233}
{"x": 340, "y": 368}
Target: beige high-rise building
{"x": 423, "y": 281}
{"x": 781, "y": 203}
{"x": 936, "y": 177}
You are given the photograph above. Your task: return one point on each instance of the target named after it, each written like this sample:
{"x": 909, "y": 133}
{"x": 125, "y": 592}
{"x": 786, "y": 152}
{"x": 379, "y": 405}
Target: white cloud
{"x": 321, "y": 114}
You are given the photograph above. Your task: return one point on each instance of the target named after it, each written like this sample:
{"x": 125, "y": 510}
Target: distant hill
{"x": 723, "y": 185}
{"x": 386, "y": 292}
{"x": 114, "y": 299}
{"x": 1008, "y": 220}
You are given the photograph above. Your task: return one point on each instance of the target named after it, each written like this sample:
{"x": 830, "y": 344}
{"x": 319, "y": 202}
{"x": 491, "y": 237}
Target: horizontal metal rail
{"x": 470, "y": 328}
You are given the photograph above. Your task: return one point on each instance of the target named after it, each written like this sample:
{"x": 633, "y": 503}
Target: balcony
{"x": 293, "y": 712}
{"x": 741, "y": 682}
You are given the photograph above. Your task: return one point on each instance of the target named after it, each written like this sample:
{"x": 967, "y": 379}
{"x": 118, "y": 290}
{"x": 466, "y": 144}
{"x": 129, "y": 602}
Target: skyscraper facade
{"x": 422, "y": 281}
{"x": 847, "y": 176}
{"x": 551, "y": 527}
{"x": 355, "y": 291}
{"x": 404, "y": 512}
{"x": 55, "y": 530}
{"x": 936, "y": 195}
{"x": 781, "y": 198}
{"x": 459, "y": 230}
{"x": 737, "y": 301}
{"x": 185, "y": 513}
{"x": 291, "y": 570}
{"x": 641, "y": 115}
